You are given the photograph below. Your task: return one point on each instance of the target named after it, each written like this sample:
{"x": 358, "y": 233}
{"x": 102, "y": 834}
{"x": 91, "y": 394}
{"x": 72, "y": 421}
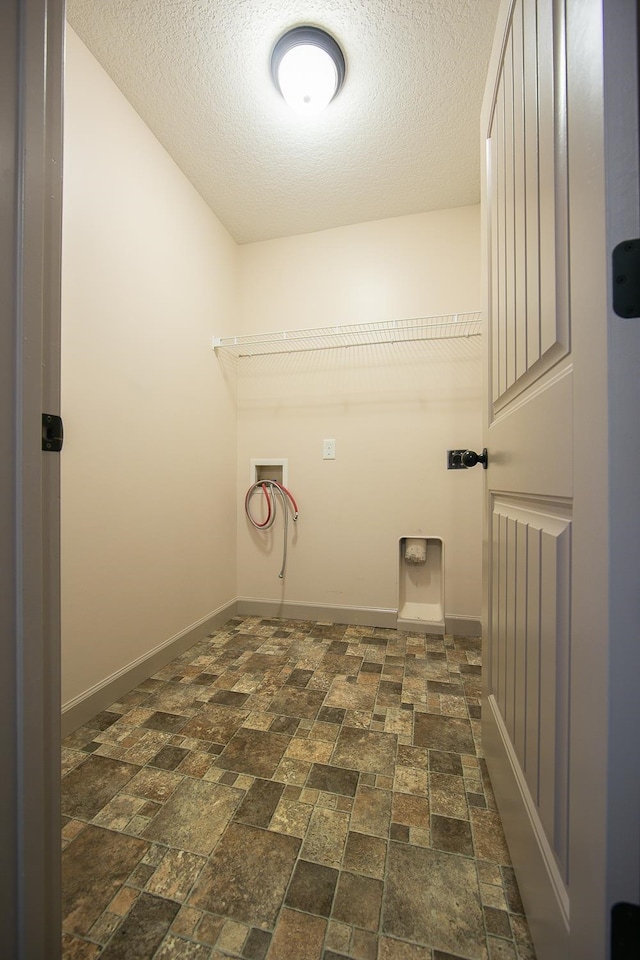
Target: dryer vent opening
{"x": 421, "y": 584}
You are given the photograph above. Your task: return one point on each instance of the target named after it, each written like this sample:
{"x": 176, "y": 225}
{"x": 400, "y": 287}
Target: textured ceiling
{"x": 401, "y": 137}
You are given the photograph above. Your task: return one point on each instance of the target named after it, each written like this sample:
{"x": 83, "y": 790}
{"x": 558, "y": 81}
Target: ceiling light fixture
{"x": 308, "y": 68}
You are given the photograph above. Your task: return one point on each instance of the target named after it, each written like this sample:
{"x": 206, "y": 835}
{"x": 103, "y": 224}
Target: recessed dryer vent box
{"x": 421, "y": 587}
{"x": 270, "y": 468}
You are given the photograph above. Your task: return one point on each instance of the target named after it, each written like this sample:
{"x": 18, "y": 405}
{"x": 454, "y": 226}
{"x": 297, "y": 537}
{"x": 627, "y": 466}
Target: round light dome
{"x": 308, "y": 68}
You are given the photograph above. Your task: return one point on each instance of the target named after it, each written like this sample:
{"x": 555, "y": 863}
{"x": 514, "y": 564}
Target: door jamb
{"x": 31, "y": 44}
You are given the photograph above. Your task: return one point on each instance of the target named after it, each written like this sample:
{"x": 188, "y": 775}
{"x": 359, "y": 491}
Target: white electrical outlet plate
{"x": 328, "y": 449}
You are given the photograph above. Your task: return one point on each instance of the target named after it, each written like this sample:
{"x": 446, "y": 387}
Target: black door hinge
{"x": 626, "y": 279}
{"x": 625, "y": 931}
{"x": 52, "y": 433}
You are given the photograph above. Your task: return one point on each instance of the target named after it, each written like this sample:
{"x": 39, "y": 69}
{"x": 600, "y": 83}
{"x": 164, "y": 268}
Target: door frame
{"x": 604, "y": 185}
{"x": 31, "y": 80}
{"x": 31, "y": 70}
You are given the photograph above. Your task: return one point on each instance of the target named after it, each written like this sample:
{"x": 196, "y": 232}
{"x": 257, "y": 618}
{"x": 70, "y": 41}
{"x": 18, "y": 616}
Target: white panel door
{"x": 529, "y": 438}
{"x": 554, "y": 716}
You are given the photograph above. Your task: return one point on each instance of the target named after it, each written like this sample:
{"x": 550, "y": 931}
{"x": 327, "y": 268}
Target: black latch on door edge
{"x": 52, "y": 433}
{"x": 626, "y": 279}
{"x": 625, "y": 931}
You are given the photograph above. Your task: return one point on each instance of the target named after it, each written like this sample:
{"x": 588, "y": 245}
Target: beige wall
{"x": 393, "y": 410}
{"x": 148, "y": 469}
{"x": 157, "y": 448}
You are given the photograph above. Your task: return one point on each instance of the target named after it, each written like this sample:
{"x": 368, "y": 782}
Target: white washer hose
{"x": 271, "y": 489}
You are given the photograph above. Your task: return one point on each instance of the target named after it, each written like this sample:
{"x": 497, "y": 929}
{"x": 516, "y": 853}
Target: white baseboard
{"x": 97, "y": 698}
{"x": 543, "y": 892}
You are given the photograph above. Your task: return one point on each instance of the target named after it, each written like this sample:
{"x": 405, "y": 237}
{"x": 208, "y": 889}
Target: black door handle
{"x": 470, "y": 458}
{"x": 463, "y": 459}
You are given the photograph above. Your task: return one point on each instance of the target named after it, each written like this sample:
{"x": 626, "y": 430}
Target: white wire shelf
{"x": 352, "y": 335}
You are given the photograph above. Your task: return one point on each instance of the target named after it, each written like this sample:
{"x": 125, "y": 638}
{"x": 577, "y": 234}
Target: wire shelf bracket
{"x": 352, "y": 335}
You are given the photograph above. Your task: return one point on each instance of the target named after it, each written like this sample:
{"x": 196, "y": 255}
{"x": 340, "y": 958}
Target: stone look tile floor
{"x": 290, "y": 790}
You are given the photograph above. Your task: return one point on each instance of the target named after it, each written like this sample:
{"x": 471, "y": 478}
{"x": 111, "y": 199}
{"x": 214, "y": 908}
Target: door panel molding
{"x": 515, "y": 449}
{"x": 548, "y": 901}
{"x": 548, "y": 366}
{"x": 530, "y": 621}
{"x": 526, "y": 156}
